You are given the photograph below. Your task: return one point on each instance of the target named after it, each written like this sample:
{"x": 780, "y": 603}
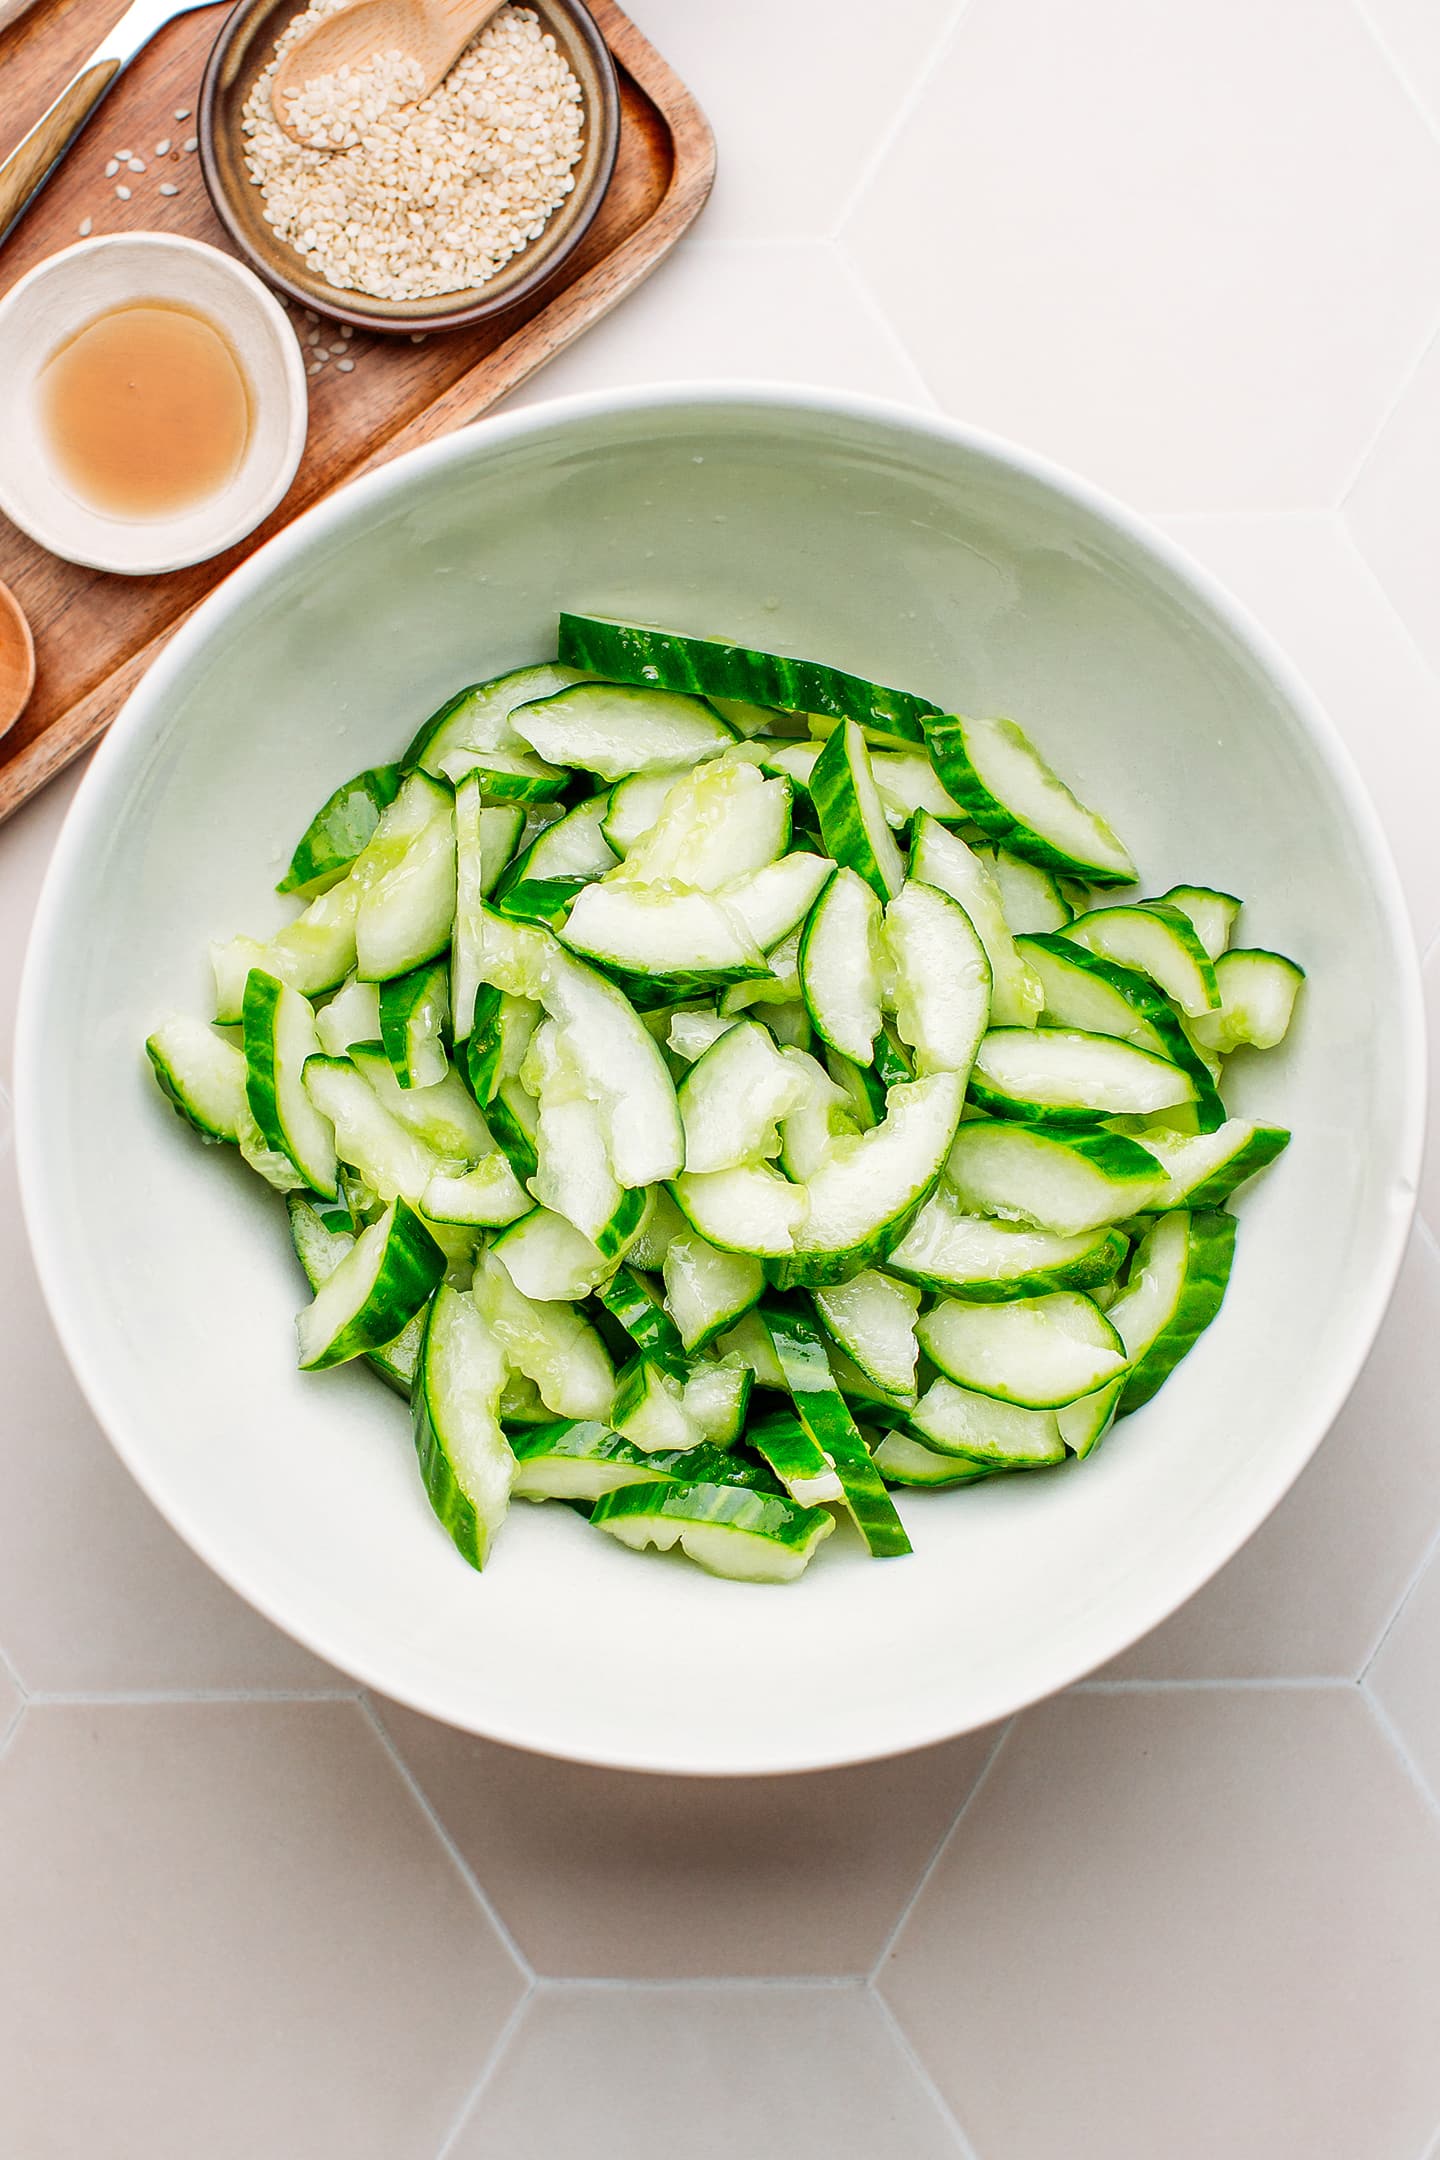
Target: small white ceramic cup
{"x": 58, "y": 298}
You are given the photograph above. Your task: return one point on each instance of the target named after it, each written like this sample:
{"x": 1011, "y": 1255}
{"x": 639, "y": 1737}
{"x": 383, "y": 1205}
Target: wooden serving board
{"x": 95, "y": 635}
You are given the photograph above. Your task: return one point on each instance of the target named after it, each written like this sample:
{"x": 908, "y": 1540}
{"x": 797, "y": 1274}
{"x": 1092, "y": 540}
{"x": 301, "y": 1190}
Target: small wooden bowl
{"x": 17, "y": 660}
{"x": 245, "y": 47}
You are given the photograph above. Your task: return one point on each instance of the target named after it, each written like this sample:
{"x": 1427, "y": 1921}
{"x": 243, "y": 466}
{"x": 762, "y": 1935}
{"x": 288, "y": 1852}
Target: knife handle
{"x": 32, "y": 161}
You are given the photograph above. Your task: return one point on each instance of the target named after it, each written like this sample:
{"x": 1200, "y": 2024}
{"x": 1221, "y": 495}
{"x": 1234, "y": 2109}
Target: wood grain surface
{"x": 95, "y": 635}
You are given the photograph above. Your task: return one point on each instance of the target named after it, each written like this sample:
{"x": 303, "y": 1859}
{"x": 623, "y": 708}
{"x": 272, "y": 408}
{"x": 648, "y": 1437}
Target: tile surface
{"x": 1393, "y": 511}
{"x": 249, "y": 1933}
{"x": 599, "y": 1873}
{"x": 1405, "y": 1677}
{"x": 1185, "y": 1924}
{"x": 793, "y": 2073}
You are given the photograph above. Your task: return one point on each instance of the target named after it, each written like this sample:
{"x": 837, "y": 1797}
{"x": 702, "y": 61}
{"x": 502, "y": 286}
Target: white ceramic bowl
{"x": 924, "y": 555}
{"x": 58, "y": 298}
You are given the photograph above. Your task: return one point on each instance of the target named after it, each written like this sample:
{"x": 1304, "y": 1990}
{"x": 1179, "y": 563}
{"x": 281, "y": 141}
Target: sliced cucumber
{"x": 822, "y": 1117}
{"x": 789, "y": 1023}
{"x": 999, "y": 777}
{"x": 515, "y": 1121}
{"x": 728, "y": 1530}
{"x": 444, "y": 1116}
{"x": 822, "y": 1410}
{"x": 486, "y": 1197}
{"x": 478, "y": 717}
{"x": 203, "y": 1075}
{"x": 721, "y": 822}
{"x": 690, "y": 1034}
{"x": 780, "y": 985}
{"x": 1158, "y": 941}
{"x": 1257, "y": 992}
{"x": 548, "y": 1259}
{"x": 852, "y": 817}
{"x": 662, "y": 931}
{"x": 745, "y": 1210}
{"x": 661, "y": 1224}
{"x": 485, "y": 840}
{"x": 352, "y": 1015}
{"x": 1176, "y": 1287}
{"x": 1084, "y": 1423}
{"x": 903, "y": 1461}
{"x": 1058, "y": 1076}
{"x": 749, "y": 1341}
{"x": 733, "y": 1098}
{"x": 800, "y": 1463}
{"x": 910, "y": 786}
{"x": 614, "y": 729}
{"x": 673, "y": 660}
{"x": 313, "y": 954}
{"x": 464, "y": 1457}
{"x": 864, "y": 1198}
{"x": 771, "y": 903}
{"x": 628, "y": 1298}
{"x": 1038, "y": 1352}
{"x": 1211, "y": 914}
{"x": 514, "y": 777}
{"x": 839, "y": 965}
{"x": 940, "y": 858}
{"x": 573, "y": 847}
{"x": 1084, "y": 991}
{"x": 541, "y": 900}
{"x": 406, "y": 917}
{"x": 393, "y": 1163}
{"x": 573, "y": 1175}
{"x": 982, "y": 1429}
{"x": 1033, "y": 902}
{"x": 1202, "y": 1171}
{"x": 379, "y": 1286}
{"x": 649, "y": 1408}
{"x": 872, "y": 1318}
{"x": 320, "y": 1249}
{"x": 340, "y": 828}
{"x": 716, "y": 1396}
{"x": 414, "y": 1023}
{"x": 1062, "y": 1181}
{"x": 939, "y": 978}
{"x": 986, "y": 1261}
{"x": 552, "y": 1344}
{"x": 279, "y": 1033}
{"x": 635, "y": 805}
{"x": 501, "y": 1028}
{"x": 580, "y": 1460}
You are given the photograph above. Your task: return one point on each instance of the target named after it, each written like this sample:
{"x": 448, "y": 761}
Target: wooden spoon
{"x": 432, "y": 33}
{"x": 17, "y": 660}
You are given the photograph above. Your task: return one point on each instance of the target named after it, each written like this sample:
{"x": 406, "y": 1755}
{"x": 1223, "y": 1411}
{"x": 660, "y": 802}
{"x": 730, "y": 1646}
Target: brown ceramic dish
{"x": 245, "y": 47}
{"x": 17, "y": 659}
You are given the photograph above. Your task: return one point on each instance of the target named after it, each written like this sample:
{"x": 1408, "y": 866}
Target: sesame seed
{"x": 345, "y": 366}
{"x": 123, "y": 193}
{"x": 162, "y": 148}
{"x": 182, "y": 112}
{"x": 137, "y": 164}
{"x": 123, "y": 155}
{"x": 85, "y": 227}
{"x": 190, "y": 142}
{"x": 168, "y": 187}
{"x": 112, "y": 168}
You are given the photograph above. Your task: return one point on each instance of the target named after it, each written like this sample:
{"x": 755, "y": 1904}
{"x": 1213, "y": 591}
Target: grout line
{"x": 1396, "y": 1739}
{"x": 1429, "y": 1554}
{"x": 136, "y": 1698}
{"x": 700, "y": 1983}
{"x": 891, "y": 134}
{"x": 487, "y": 2069}
{"x": 882, "y": 323}
{"x": 11, "y": 1727}
{"x": 1363, "y": 564}
{"x": 1265, "y": 1683}
{"x": 1397, "y": 68}
{"x": 422, "y": 1800}
{"x": 13, "y": 1677}
{"x": 1391, "y": 408}
{"x": 944, "y": 1839}
{"x": 906, "y": 2048}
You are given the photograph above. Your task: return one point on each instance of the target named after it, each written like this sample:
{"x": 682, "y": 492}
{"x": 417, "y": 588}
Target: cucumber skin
{"x": 1207, "y": 1276}
{"x": 453, "y": 1506}
{"x": 340, "y": 828}
{"x": 166, "y": 1083}
{"x": 262, "y": 996}
{"x": 740, "y": 1507}
{"x": 396, "y": 1362}
{"x": 1148, "y": 1004}
{"x": 799, "y": 1344}
{"x": 414, "y": 1265}
{"x": 842, "y": 831}
{"x": 399, "y": 997}
{"x": 644, "y": 1320}
{"x": 668, "y": 660}
{"x": 1261, "y": 1149}
{"x": 1087, "y": 1272}
{"x": 945, "y": 739}
{"x": 541, "y": 900}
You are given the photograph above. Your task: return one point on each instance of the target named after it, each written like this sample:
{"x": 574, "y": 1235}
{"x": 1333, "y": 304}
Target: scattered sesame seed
{"x": 112, "y": 168}
{"x": 190, "y": 142}
{"x": 417, "y": 337}
{"x": 345, "y": 366}
{"x": 137, "y": 164}
{"x": 347, "y": 330}
{"x": 314, "y": 367}
{"x": 336, "y": 352}
{"x": 168, "y": 187}
{"x": 162, "y": 148}
{"x": 310, "y": 315}
{"x": 123, "y": 193}
{"x": 85, "y": 227}
{"x": 124, "y": 154}
{"x": 182, "y": 112}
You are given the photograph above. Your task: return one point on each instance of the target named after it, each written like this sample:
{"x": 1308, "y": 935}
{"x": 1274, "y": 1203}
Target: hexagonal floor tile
{"x": 1313, "y": 1589}
{"x": 230, "y": 1930}
{"x": 10, "y": 1700}
{"x": 1405, "y": 1677}
{"x": 650, "y": 2073}
{"x": 96, "y": 1591}
{"x": 1185, "y": 1923}
{"x": 1430, "y": 1171}
{"x": 1307, "y": 583}
{"x": 1409, "y": 30}
{"x": 1395, "y": 515}
{"x": 1152, "y": 317}
{"x": 600, "y": 1873}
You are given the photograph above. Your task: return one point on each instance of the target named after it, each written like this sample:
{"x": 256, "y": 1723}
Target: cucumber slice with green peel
{"x": 393, "y": 1162}
{"x": 339, "y": 830}
{"x": 839, "y": 965}
{"x": 541, "y": 900}
{"x": 444, "y": 1115}
{"x": 1084, "y": 1423}
{"x": 861, "y": 1085}
{"x": 478, "y": 717}
{"x": 1099, "y": 997}
{"x": 616, "y": 729}
{"x": 852, "y": 818}
{"x": 1000, "y": 1435}
{"x": 792, "y": 761}
{"x": 1032, "y": 900}
{"x": 789, "y": 1023}
{"x": 551, "y": 1343}
{"x": 1158, "y": 941}
{"x": 313, "y": 954}
{"x": 661, "y": 1223}
{"x": 406, "y": 917}
{"x": 733, "y": 1099}
{"x": 500, "y": 1032}
{"x": 510, "y": 777}
{"x": 995, "y": 772}
{"x": 749, "y": 1209}
{"x": 1202, "y": 1171}
{"x": 716, "y": 1396}
{"x": 939, "y": 978}
{"x": 635, "y": 805}
{"x": 414, "y": 1015}
{"x": 800, "y": 1348}
{"x": 713, "y": 667}
{"x": 797, "y": 1459}
{"x": 379, "y": 1286}
{"x": 941, "y": 859}
{"x": 865, "y": 1197}
{"x": 729, "y": 1530}
{"x": 690, "y": 1034}
{"x": 1257, "y": 1001}
{"x": 720, "y": 822}
{"x": 203, "y": 1076}
{"x": 573, "y": 847}
{"x": 1059, "y": 1076}
{"x": 565, "y": 1459}
{"x": 707, "y": 1290}
{"x": 987, "y": 1261}
{"x": 822, "y": 1117}
{"x": 320, "y": 1249}
{"x": 1069, "y": 1182}
{"x": 465, "y": 1459}
{"x": 780, "y": 985}
{"x": 1176, "y": 1286}
{"x": 279, "y": 1035}
{"x": 909, "y": 786}
{"x": 487, "y": 1197}
{"x": 872, "y": 1318}
{"x": 352, "y": 1015}
{"x": 632, "y": 1302}
{"x": 485, "y": 841}
{"x": 1038, "y": 1352}
{"x": 573, "y": 1174}
{"x": 551, "y": 1261}
{"x": 747, "y": 719}
{"x": 656, "y": 931}
{"x": 867, "y": 1401}
{"x": 903, "y": 1461}
{"x": 649, "y": 1408}
{"x": 515, "y": 1122}
{"x": 520, "y": 1404}
{"x": 1211, "y": 914}
{"x": 773, "y": 902}
{"x": 749, "y": 1341}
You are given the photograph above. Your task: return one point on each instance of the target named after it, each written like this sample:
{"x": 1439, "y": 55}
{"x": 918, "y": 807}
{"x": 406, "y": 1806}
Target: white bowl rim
{"x": 248, "y": 511}
{"x": 1283, "y": 1464}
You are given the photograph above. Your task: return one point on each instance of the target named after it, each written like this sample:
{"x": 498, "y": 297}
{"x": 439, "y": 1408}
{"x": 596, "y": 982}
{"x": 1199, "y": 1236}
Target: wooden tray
{"x": 95, "y": 635}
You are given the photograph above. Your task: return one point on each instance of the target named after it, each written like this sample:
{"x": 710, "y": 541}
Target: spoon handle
{"x": 32, "y": 161}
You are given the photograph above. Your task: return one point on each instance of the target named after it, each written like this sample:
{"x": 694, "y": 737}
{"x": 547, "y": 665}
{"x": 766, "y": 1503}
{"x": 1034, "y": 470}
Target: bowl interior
{"x": 246, "y": 46}
{"x": 893, "y": 546}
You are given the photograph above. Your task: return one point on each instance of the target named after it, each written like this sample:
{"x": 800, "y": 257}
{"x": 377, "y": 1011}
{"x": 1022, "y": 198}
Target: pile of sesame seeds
{"x": 416, "y": 200}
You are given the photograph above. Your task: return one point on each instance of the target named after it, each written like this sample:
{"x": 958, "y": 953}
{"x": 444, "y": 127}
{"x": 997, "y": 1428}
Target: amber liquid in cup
{"x": 146, "y": 410}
